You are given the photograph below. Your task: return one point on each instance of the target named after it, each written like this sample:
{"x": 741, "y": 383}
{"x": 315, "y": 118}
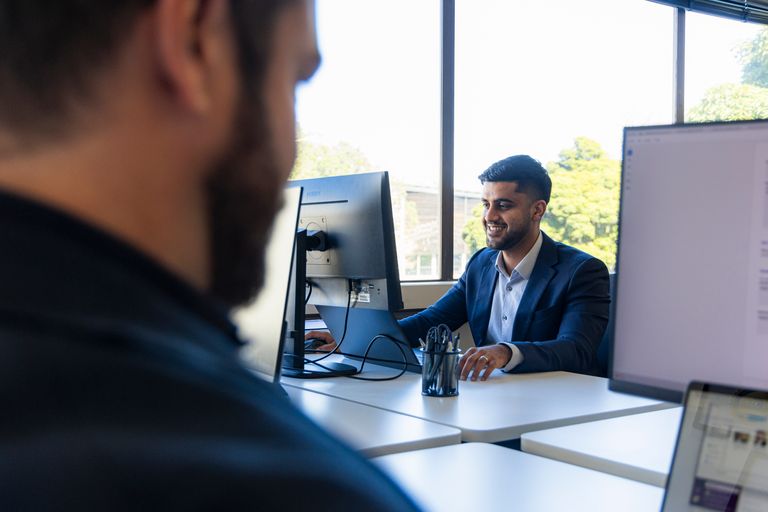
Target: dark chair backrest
{"x": 604, "y": 349}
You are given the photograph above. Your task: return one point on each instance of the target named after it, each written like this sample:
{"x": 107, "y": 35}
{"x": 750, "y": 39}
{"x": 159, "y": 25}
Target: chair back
{"x": 604, "y": 349}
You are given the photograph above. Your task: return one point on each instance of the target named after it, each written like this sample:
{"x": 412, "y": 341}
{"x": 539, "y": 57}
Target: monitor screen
{"x": 692, "y": 268}
{"x": 355, "y": 213}
{"x": 353, "y": 279}
{"x": 262, "y": 322}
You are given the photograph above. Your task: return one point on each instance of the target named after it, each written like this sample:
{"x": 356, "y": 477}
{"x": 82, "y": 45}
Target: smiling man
{"x": 143, "y": 146}
{"x": 532, "y": 304}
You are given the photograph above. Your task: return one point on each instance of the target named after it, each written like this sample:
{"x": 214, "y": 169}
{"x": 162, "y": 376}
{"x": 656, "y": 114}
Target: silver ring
{"x": 483, "y": 358}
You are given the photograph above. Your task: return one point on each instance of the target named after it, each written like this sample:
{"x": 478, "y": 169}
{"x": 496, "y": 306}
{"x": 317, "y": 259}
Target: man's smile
{"x": 495, "y": 229}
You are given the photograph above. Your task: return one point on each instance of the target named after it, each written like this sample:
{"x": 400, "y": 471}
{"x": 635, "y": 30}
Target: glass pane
{"x": 557, "y": 80}
{"x": 374, "y": 105}
{"x": 726, "y": 69}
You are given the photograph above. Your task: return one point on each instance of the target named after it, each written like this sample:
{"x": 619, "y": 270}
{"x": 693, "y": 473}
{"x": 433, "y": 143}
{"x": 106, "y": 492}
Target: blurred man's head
{"x": 516, "y": 191}
{"x": 170, "y": 123}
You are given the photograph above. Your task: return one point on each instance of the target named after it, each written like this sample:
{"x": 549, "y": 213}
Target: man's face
{"x": 508, "y": 215}
{"x": 245, "y": 189}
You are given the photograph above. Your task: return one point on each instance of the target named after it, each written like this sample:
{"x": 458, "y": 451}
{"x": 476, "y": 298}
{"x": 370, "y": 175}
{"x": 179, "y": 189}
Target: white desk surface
{"x": 371, "y": 431}
{"x": 502, "y": 408}
{"x": 639, "y": 447}
{"x": 479, "y": 476}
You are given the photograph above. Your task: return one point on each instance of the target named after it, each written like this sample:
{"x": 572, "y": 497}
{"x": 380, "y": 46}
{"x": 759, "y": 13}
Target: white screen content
{"x": 721, "y": 460}
{"x": 692, "y": 297}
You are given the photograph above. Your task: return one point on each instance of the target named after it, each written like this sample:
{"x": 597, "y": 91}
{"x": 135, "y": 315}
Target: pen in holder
{"x": 440, "y": 365}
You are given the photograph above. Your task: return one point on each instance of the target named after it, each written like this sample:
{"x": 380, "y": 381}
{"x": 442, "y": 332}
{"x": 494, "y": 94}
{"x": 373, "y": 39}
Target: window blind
{"x": 746, "y": 10}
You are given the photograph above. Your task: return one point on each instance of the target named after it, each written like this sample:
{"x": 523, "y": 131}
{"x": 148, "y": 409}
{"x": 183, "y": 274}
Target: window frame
{"x": 448, "y": 54}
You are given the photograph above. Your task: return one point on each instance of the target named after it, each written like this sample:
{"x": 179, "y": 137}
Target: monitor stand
{"x": 321, "y": 372}
{"x": 295, "y": 363}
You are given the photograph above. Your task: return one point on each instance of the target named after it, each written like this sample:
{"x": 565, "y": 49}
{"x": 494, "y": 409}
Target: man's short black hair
{"x": 52, "y": 50}
{"x": 531, "y": 177}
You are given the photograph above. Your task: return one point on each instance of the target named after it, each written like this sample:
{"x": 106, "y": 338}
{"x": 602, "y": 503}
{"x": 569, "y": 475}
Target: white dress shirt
{"x": 506, "y": 299}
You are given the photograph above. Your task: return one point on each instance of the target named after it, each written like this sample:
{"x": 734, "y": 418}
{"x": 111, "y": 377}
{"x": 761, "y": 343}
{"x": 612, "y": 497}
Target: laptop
{"x": 363, "y": 325}
{"x": 262, "y": 322}
{"x": 721, "y": 457}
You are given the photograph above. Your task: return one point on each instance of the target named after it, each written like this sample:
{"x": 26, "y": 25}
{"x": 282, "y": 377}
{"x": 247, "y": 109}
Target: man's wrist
{"x": 510, "y": 353}
{"x": 515, "y": 359}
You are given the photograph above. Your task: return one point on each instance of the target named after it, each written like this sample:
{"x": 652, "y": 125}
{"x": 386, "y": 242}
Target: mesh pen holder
{"x": 440, "y": 373}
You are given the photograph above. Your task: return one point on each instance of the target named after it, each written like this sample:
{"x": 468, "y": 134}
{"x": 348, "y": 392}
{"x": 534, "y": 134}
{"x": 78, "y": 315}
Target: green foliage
{"x": 583, "y": 211}
{"x": 317, "y": 160}
{"x": 748, "y": 100}
{"x": 754, "y": 60}
{"x": 731, "y": 102}
{"x": 473, "y": 233}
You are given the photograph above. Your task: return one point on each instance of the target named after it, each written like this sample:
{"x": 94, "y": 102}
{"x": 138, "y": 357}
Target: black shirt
{"x": 121, "y": 388}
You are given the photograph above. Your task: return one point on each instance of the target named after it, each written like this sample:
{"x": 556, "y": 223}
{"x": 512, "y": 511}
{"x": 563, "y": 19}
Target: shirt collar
{"x": 525, "y": 267}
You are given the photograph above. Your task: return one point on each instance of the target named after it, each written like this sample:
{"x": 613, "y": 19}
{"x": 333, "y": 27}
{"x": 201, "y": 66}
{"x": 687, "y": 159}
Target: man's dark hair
{"x": 52, "y": 50}
{"x": 528, "y": 173}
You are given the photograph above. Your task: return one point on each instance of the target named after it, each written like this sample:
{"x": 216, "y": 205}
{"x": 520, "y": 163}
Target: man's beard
{"x": 511, "y": 239}
{"x": 244, "y": 197}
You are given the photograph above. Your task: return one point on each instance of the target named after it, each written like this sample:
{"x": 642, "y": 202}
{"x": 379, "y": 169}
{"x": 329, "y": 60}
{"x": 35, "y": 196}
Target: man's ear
{"x": 192, "y": 39}
{"x": 539, "y": 209}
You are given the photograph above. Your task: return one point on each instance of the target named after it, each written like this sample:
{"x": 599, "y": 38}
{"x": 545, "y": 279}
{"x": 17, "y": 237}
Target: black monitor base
{"x": 313, "y": 371}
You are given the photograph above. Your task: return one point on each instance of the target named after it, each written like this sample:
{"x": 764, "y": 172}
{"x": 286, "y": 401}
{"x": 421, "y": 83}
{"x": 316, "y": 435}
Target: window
{"x": 557, "y": 80}
{"x": 726, "y": 69}
{"x": 374, "y": 105}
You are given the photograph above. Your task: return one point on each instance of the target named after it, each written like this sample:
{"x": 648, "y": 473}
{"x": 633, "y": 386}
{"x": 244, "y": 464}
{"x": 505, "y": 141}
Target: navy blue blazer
{"x": 121, "y": 389}
{"x": 561, "y": 318}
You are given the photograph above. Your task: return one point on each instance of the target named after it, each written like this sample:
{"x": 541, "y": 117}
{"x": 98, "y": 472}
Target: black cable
{"x": 356, "y": 356}
{"x": 346, "y": 322}
{"x": 306, "y": 299}
{"x": 365, "y": 359}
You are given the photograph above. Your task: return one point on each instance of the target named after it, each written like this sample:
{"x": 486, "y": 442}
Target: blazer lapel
{"x": 542, "y": 274}
{"x": 488, "y": 280}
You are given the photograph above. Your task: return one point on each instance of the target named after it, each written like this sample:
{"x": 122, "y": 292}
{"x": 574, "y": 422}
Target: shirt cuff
{"x": 516, "y": 359}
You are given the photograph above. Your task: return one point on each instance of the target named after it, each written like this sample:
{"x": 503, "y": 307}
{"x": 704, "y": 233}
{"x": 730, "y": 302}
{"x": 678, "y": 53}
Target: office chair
{"x": 604, "y": 349}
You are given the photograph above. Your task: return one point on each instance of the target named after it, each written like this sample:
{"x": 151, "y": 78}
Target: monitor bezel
{"x": 622, "y": 385}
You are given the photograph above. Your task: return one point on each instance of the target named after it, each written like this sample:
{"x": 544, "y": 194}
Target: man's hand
{"x": 325, "y": 336}
{"x": 481, "y": 361}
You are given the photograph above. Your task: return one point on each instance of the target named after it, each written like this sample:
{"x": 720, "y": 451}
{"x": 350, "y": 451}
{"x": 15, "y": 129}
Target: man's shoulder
{"x": 158, "y": 427}
{"x": 103, "y": 470}
{"x": 571, "y": 256}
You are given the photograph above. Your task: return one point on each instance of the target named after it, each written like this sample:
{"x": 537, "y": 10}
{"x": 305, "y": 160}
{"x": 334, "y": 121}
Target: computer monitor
{"x": 355, "y": 277}
{"x": 262, "y": 322}
{"x": 692, "y": 268}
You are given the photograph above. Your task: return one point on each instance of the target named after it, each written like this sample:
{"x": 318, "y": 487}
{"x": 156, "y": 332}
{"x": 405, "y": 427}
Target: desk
{"x": 504, "y": 479}
{"x": 500, "y": 409}
{"x": 639, "y": 447}
{"x": 371, "y": 431}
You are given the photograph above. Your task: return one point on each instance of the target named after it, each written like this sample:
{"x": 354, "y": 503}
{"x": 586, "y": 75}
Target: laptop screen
{"x": 721, "y": 458}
